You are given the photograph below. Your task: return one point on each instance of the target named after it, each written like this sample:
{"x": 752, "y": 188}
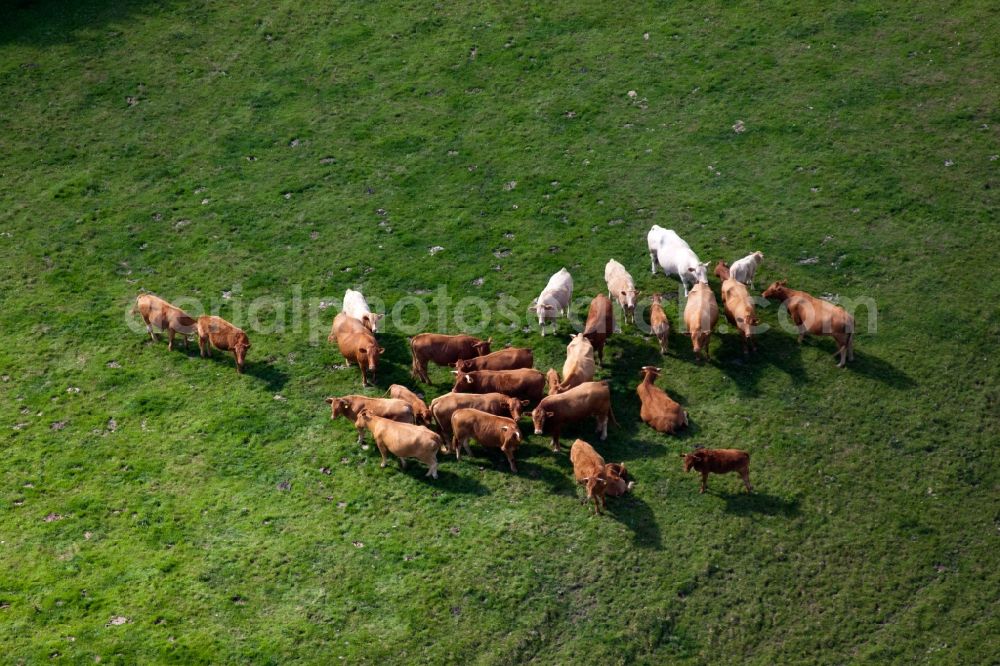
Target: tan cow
{"x": 357, "y": 344}
{"x": 619, "y": 481}
{"x": 578, "y": 403}
{"x": 579, "y": 366}
{"x": 349, "y": 406}
{"x": 223, "y": 336}
{"x": 526, "y": 384}
{"x": 402, "y": 440}
{"x": 659, "y": 324}
{"x": 621, "y": 287}
{"x": 718, "y": 461}
{"x": 600, "y": 324}
{"x": 512, "y": 358}
{"x": 443, "y": 407}
{"x": 157, "y": 312}
{"x": 738, "y": 306}
{"x": 443, "y": 350}
{"x": 701, "y": 314}
{"x": 421, "y": 414}
{"x": 599, "y": 478}
{"x": 552, "y": 381}
{"x": 817, "y": 317}
{"x": 491, "y": 431}
{"x": 658, "y": 410}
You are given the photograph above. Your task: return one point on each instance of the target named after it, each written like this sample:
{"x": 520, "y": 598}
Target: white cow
{"x": 653, "y": 238}
{"x": 356, "y": 306}
{"x": 676, "y": 257}
{"x": 621, "y": 287}
{"x": 554, "y": 299}
{"x": 745, "y": 269}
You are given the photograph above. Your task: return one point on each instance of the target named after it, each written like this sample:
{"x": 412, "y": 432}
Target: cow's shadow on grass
{"x": 774, "y": 350}
{"x": 273, "y": 377}
{"x": 447, "y": 480}
{"x": 743, "y": 504}
{"x": 633, "y": 512}
{"x": 875, "y": 368}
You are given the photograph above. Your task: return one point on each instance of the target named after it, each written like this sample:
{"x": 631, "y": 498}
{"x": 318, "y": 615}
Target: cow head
{"x": 650, "y": 371}
{"x": 596, "y": 485}
{"x": 482, "y": 347}
{"x": 369, "y": 355}
{"x": 538, "y": 417}
{"x": 777, "y": 290}
{"x": 362, "y": 419}
{"x": 371, "y": 320}
{"x": 241, "y": 352}
{"x": 656, "y": 298}
{"x": 619, "y": 480}
{"x": 699, "y": 272}
{"x": 463, "y": 382}
{"x": 747, "y": 324}
{"x": 758, "y": 257}
{"x": 338, "y": 406}
{"x": 722, "y": 270}
{"x": 510, "y": 438}
{"x": 627, "y": 298}
{"x": 515, "y": 405}
{"x": 545, "y": 311}
{"x": 693, "y": 460}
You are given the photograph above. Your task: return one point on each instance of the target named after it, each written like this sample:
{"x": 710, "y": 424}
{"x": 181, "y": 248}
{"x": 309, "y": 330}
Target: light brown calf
{"x": 223, "y": 336}
{"x": 701, "y": 314}
{"x": 421, "y": 413}
{"x": 738, "y": 306}
{"x": 491, "y": 431}
{"x": 157, "y": 312}
{"x": 659, "y": 325}
{"x": 599, "y": 478}
{"x": 403, "y": 440}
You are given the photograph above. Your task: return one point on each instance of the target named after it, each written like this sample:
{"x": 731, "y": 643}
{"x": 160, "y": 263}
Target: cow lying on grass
{"x": 599, "y": 478}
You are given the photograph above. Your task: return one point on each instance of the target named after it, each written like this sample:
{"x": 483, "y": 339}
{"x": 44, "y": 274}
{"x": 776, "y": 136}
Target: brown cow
{"x": 357, "y": 344}
{"x": 701, "y": 314}
{"x": 588, "y": 468}
{"x": 619, "y": 481}
{"x": 738, "y": 306}
{"x": 600, "y": 324}
{"x": 224, "y": 336}
{"x": 443, "y": 407}
{"x": 658, "y": 410}
{"x": 659, "y": 325}
{"x": 718, "y": 461}
{"x": 349, "y": 406}
{"x": 157, "y": 312}
{"x": 512, "y": 358}
{"x": 403, "y": 440}
{"x": 578, "y": 403}
{"x": 421, "y": 414}
{"x": 552, "y": 381}
{"x": 526, "y": 384}
{"x": 443, "y": 350}
{"x": 491, "y": 431}
{"x": 818, "y": 317}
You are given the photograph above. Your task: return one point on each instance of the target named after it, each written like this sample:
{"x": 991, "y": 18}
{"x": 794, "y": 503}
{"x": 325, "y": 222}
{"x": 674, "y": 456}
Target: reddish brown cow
{"x": 349, "y": 406}
{"x": 403, "y": 440}
{"x": 421, "y": 414}
{"x": 718, "y": 461}
{"x": 659, "y": 325}
{"x": 600, "y": 324}
{"x": 588, "y": 468}
{"x": 357, "y": 344}
{"x": 489, "y": 430}
{"x": 701, "y": 314}
{"x": 738, "y": 306}
{"x": 818, "y": 317}
{"x": 443, "y": 407}
{"x": 658, "y": 410}
{"x": 443, "y": 350}
{"x": 157, "y": 312}
{"x": 506, "y": 359}
{"x": 224, "y": 336}
{"x": 619, "y": 481}
{"x": 525, "y": 384}
{"x": 578, "y": 403}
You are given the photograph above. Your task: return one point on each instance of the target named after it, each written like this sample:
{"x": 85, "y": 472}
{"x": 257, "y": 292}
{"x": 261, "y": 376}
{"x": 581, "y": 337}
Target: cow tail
{"x": 135, "y": 307}
{"x": 611, "y": 413}
{"x": 413, "y": 364}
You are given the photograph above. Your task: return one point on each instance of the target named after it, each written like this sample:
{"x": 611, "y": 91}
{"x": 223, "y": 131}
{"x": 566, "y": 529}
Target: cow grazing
{"x": 357, "y": 344}
{"x": 600, "y": 324}
{"x": 659, "y": 411}
{"x": 512, "y": 358}
{"x": 578, "y": 403}
{"x": 579, "y": 366}
{"x": 356, "y": 306}
{"x": 421, "y": 413}
{"x": 499, "y": 404}
{"x": 217, "y": 332}
{"x": 443, "y": 350}
{"x": 745, "y": 269}
{"x": 718, "y": 461}
{"x": 402, "y": 440}
{"x": 817, "y": 317}
{"x": 701, "y": 314}
{"x": 525, "y": 383}
{"x": 676, "y": 257}
{"x": 349, "y": 406}
{"x": 157, "y": 312}
{"x": 598, "y": 477}
{"x": 621, "y": 287}
{"x": 738, "y": 306}
{"x": 554, "y": 299}
{"x": 491, "y": 431}
{"x": 659, "y": 324}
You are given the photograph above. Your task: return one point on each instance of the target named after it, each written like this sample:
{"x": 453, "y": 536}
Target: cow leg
{"x": 432, "y": 469}
{"x": 510, "y": 460}
{"x": 456, "y": 444}
{"x": 364, "y": 378}
{"x": 652, "y": 262}
{"x": 602, "y": 426}
{"x": 704, "y": 482}
{"x": 170, "y": 339}
{"x": 361, "y": 436}
{"x": 745, "y": 473}
{"x": 555, "y": 441}
{"x": 149, "y": 329}
{"x": 202, "y": 347}
{"x": 465, "y": 445}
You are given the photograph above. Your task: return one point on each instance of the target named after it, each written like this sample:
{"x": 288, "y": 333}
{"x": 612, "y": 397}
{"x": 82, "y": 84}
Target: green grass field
{"x": 156, "y": 507}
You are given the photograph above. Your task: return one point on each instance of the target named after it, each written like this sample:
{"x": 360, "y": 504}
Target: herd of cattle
{"x": 494, "y": 388}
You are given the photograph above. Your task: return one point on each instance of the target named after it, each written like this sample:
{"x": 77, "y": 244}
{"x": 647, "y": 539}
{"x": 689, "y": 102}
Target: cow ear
{"x": 504, "y": 428}
{"x": 691, "y": 269}
{"x": 525, "y": 403}
{"x": 623, "y": 293}
{"x": 381, "y": 350}
{"x": 468, "y": 378}
{"x": 328, "y": 401}
{"x": 550, "y": 414}
{"x": 532, "y": 308}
